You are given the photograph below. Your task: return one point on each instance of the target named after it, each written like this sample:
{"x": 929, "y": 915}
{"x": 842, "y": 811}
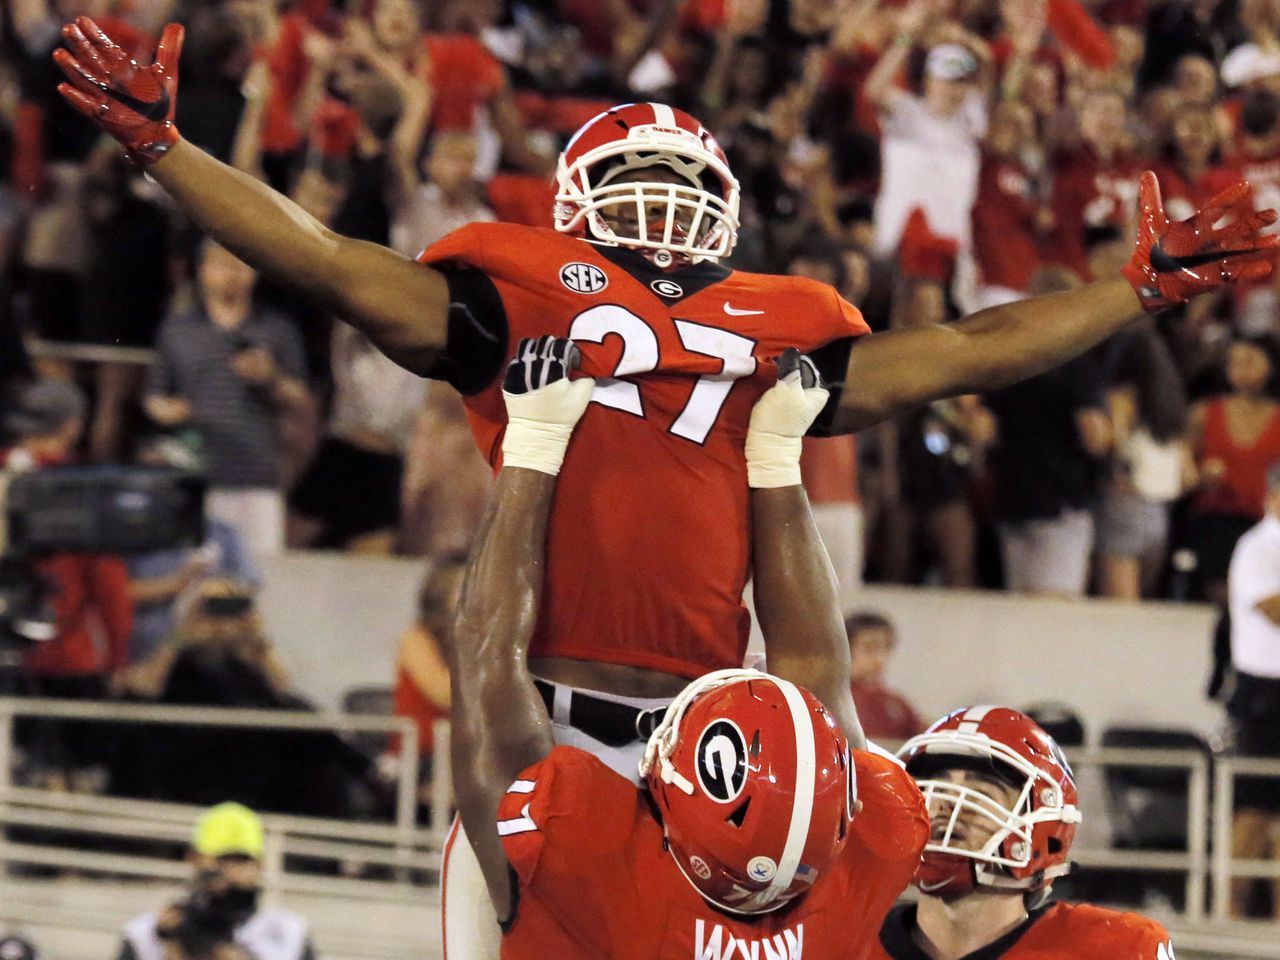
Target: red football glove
{"x": 1175, "y": 262}
{"x": 131, "y": 102}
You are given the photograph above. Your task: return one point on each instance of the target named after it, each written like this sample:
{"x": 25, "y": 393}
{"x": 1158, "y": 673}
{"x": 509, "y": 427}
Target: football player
{"x": 1003, "y": 813}
{"x": 649, "y": 537}
{"x": 759, "y": 832}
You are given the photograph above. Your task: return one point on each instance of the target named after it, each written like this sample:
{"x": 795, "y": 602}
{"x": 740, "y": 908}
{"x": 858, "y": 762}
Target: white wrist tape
{"x": 779, "y": 421}
{"x": 540, "y": 424}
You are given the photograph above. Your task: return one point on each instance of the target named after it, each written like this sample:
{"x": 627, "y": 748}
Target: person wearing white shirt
{"x": 1253, "y": 586}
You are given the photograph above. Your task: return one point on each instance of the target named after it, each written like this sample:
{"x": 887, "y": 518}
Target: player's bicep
{"x": 402, "y": 306}
{"x": 898, "y": 370}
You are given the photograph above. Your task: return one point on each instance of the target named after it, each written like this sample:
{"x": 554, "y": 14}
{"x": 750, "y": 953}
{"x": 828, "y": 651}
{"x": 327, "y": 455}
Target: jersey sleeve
{"x": 562, "y": 814}
{"x": 892, "y": 825}
{"x": 1151, "y": 941}
{"x": 476, "y": 340}
{"x": 832, "y": 360}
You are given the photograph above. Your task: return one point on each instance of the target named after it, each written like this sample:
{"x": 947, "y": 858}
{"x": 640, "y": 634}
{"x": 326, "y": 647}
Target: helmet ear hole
{"x": 739, "y": 814}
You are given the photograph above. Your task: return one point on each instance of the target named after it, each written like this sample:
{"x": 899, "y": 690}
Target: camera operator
{"x": 221, "y": 656}
{"x": 88, "y": 593}
{"x": 219, "y": 917}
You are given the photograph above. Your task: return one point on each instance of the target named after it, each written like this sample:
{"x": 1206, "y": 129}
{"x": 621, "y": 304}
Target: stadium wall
{"x": 337, "y": 618}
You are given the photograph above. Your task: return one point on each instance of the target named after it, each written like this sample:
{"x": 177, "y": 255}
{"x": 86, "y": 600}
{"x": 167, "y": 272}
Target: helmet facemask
{"x": 1005, "y": 858}
{"x": 670, "y": 221}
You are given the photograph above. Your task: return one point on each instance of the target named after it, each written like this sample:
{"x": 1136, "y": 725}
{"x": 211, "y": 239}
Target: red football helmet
{"x": 701, "y": 218}
{"x": 1030, "y": 838}
{"x": 756, "y": 788}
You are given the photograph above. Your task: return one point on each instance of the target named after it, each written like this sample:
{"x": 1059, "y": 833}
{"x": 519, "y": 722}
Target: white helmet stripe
{"x": 663, "y": 115}
{"x": 974, "y": 716}
{"x": 802, "y": 804}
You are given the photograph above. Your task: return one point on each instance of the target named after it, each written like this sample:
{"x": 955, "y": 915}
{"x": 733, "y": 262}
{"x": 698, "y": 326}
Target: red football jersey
{"x": 1060, "y": 931}
{"x": 596, "y": 881}
{"x": 649, "y": 542}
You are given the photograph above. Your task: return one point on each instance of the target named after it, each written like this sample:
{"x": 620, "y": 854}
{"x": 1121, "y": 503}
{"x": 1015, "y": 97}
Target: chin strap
{"x": 662, "y": 742}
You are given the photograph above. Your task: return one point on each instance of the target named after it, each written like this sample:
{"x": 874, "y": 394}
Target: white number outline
{"x": 641, "y": 353}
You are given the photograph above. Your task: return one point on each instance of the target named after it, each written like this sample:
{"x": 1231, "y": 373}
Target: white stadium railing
{"x": 408, "y": 852}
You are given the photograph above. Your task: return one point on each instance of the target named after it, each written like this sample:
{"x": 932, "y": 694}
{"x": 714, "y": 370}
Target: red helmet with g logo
{"x": 700, "y": 219}
{"x": 1029, "y": 839}
{"x": 756, "y": 788}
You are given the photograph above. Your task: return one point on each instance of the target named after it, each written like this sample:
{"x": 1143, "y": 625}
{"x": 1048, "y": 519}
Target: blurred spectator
{"x": 1053, "y": 429}
{"x": 220, "y": 917}
{"x": 829, "y": 465}
{"x": 422, "y": 692}
{"x": 1152, "y": 464}
{"x": 885, "y": 714}
{"x": 376, "y": 404}
{"x": 1179, "y": 27}
{"x": 217, "y": 56}
{"x": 446, "y": 481}
{"x": 1193, "y": 171}
{"x": 229, "y": 370}
{"x": 447, "y": 200}
{"x": 948, "y": 120}
{"x": 89, "y": 594}
{"x": 1254, "y": 593}
{"x": 126, "y": 270}
{"x": 931, "y": 457}
{"x": 158, "y": 579}
{"x": 1007, "y": 215}
{"x": 51, "y": 144}
{"x": 1095, "y": 183}
{"x": 1236, "y": 439}
{"x": 221, "y": 657}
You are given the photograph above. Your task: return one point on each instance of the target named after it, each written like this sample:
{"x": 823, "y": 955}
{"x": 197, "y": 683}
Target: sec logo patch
{"x": 583, "y": 278}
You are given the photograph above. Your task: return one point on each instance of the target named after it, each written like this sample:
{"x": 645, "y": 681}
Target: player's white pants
{"x": 470, "y": 925}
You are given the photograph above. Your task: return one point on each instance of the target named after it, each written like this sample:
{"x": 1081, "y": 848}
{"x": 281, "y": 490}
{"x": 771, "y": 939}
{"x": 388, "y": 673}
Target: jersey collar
{"x": 895, "y": 936}
{"x": 687, "y": 280}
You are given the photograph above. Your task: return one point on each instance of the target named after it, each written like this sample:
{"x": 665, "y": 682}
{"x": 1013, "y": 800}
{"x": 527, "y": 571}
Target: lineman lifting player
{"x": 649, "y": 540}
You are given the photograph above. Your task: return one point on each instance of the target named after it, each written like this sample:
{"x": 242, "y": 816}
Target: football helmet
{"x": 1029, "y": 839}
{"x": 756, "y": 788}
{"x": 597, "y": 201}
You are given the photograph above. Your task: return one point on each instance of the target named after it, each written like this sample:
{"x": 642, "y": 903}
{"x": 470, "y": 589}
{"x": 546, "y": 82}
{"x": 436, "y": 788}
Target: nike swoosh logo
{"x": 147, "y": 109}
{"x": 734, "y": 312}
{"x": 930, "y": 887}
{"x": 1167, "y": 263}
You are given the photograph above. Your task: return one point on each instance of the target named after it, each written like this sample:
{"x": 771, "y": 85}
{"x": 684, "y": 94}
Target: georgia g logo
{"x": 722, "y": 761}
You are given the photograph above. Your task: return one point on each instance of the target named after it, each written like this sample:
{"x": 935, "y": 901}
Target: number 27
{"x": 640, "y": 355}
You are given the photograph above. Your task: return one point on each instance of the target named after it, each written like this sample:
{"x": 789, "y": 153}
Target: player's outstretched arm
{"x": 401, "y": 305}
{"x": 796, "y": 594}
{"x": 899, "y": 370}
{"x": 500, "y": 725}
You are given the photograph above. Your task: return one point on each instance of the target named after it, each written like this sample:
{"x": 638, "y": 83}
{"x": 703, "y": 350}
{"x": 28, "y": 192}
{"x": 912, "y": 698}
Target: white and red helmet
{"x": 756, "y": 788}
{"x": 701, "y": 217}
{"x": 1030, "y": 838}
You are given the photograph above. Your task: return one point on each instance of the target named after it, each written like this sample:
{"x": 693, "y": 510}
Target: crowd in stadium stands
{"x": 925, "y": 157}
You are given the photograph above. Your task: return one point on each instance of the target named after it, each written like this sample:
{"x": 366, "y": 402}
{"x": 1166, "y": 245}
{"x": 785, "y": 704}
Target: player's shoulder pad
{"x": 800, "y": 298}
{"x": 1105, "y": 933}
{"x": 499, "y": 248}
{"x": 893, "y": 822}
{"x": 565, "y": 802}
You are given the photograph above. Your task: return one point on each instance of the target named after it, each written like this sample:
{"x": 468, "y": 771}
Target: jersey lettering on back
{"x": 596, "y": 880}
